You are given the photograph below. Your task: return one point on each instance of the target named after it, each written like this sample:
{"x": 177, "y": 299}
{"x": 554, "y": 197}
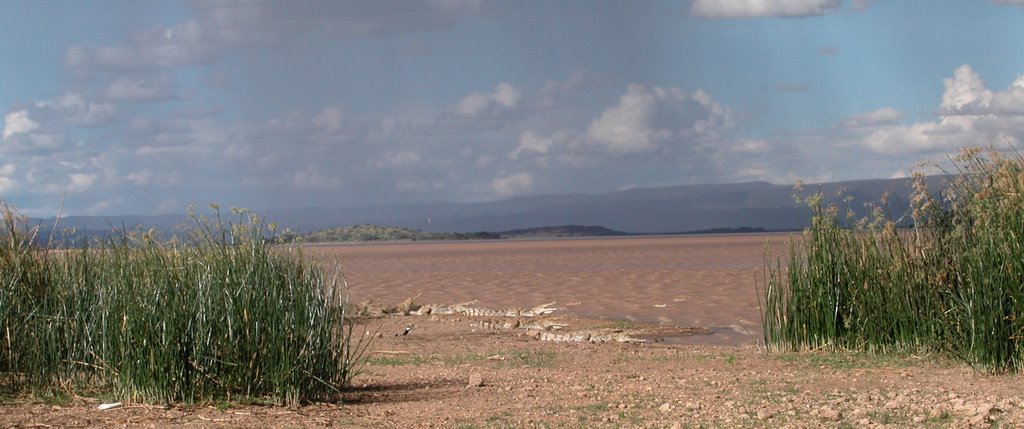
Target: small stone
{"x": 666, "y": 407}
{"x": 622, "y": 406}
{"x": 939, "y": 412}
{"x": 829, "y": 413}
{"x": 475, "y": 380}
{"x": 764, "y": 414}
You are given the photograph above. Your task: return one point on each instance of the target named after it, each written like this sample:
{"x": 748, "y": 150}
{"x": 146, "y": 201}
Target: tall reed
{"x": 218, "y": 314}
{"x": 953, "y": 283}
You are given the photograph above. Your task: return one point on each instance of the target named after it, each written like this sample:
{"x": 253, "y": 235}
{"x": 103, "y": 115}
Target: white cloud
{"x": 263, "y": 20}
{"x": 883, "y": 116}
{"x": 739, "y": 9}
{"x": 18, "y": 122}
{"x": 7, "y": 183}
{"x": 74, "y": 108}
{"x": 484, "y": 160}
{"x": 748, "y": 146}
{"x": 530, "y": 142}
{"x": 330, "y": 119}
{"x": 646, "y": 118}
{"x": 512, "y": 184}
{"x": 186, "y": 44}
{"x": 80, "y": 182}
{"x": 553, "y": 93}
{"x": 964, "y": 92}
{"x": 477, "y": 104}
{"x": 969, "y": 114}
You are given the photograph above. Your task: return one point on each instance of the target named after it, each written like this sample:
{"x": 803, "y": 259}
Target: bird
{"x": 408, "y": 329}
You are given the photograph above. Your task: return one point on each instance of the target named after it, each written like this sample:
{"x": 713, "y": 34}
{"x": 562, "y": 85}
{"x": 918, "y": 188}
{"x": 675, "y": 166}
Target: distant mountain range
{"x": 391, "y": 233}
{"x": 643, "y": 210}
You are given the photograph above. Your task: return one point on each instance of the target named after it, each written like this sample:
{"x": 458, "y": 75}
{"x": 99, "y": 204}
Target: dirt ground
{"x": 449, "y": 372}
{"x": 456, "y": 372}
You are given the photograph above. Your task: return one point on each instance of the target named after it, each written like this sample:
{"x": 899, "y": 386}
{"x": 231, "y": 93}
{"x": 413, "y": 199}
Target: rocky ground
{"x": 448, "y": 372}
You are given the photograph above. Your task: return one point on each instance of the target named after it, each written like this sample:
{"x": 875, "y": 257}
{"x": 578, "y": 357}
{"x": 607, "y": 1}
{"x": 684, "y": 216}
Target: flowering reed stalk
{"x": 953, "y": 283}
{"x": 222, "y": 314}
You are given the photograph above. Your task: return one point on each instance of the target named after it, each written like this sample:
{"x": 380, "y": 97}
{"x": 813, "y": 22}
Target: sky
{"x": 146, "y": 107}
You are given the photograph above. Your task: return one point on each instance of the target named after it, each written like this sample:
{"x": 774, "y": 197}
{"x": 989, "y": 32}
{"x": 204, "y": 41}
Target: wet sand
{"x": 706, "y": 281}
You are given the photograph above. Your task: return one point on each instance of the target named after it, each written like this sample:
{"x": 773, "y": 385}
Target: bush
{"x": 954, "y": 282}
{"x": 220, "y": 314}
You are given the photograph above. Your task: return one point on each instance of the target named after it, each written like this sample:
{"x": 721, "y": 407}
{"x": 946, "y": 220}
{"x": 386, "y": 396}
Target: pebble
{"x": 475, "y": 380}
{"x": 666, "y": 407}
{"x": 829, "y": 413}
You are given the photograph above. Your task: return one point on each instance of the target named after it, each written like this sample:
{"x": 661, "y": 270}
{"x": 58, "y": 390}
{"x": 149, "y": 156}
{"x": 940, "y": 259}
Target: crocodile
{"x": 594, "y": 336}
{"x": 530, "y": 319}
{"x": 410, "y": 307}
{"x": 543, "y": 324}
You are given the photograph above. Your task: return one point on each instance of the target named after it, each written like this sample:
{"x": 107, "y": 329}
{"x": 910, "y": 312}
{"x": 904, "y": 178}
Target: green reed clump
{"x": 952, "y": 283}
{"x": 221, "y": 314}
{"x": 845, "y": 286}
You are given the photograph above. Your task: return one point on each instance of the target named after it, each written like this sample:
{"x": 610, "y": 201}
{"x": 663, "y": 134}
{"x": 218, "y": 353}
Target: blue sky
{"x": 118, "y": 107}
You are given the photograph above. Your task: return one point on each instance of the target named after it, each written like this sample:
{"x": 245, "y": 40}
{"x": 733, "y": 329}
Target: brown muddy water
{"x": 700, "y": 280}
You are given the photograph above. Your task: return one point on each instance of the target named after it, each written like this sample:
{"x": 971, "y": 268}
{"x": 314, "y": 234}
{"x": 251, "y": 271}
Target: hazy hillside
{"x": 388, "y": 233}
{"x": 643, "y": 210}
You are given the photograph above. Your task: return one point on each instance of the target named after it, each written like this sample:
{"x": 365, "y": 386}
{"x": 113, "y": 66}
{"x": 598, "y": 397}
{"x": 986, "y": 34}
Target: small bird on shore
{"x": 408, "y": 329}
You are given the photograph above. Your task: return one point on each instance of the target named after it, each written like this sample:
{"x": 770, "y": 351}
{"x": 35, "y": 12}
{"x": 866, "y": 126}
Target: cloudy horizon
{"x": 118, "y": 107}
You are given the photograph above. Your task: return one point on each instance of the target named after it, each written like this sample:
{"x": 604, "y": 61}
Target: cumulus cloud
{"x": 883, "y": 116}
{"x": 512, "y": 184}
{"x": 530, "y": 142}
{"x": 80, "y": 182}
{"x": 75, "y": 108}
{"x": 553, "y": 93}
{"x": 969, "y": 114}
{"x": 645, "y": 118}
{"x": 7, "y": 182}
{"x": 330, "y": 119}
{"x": 18, "y": 122}
{"x": 739, "y": 9}
{"x": 504, "y": 98}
